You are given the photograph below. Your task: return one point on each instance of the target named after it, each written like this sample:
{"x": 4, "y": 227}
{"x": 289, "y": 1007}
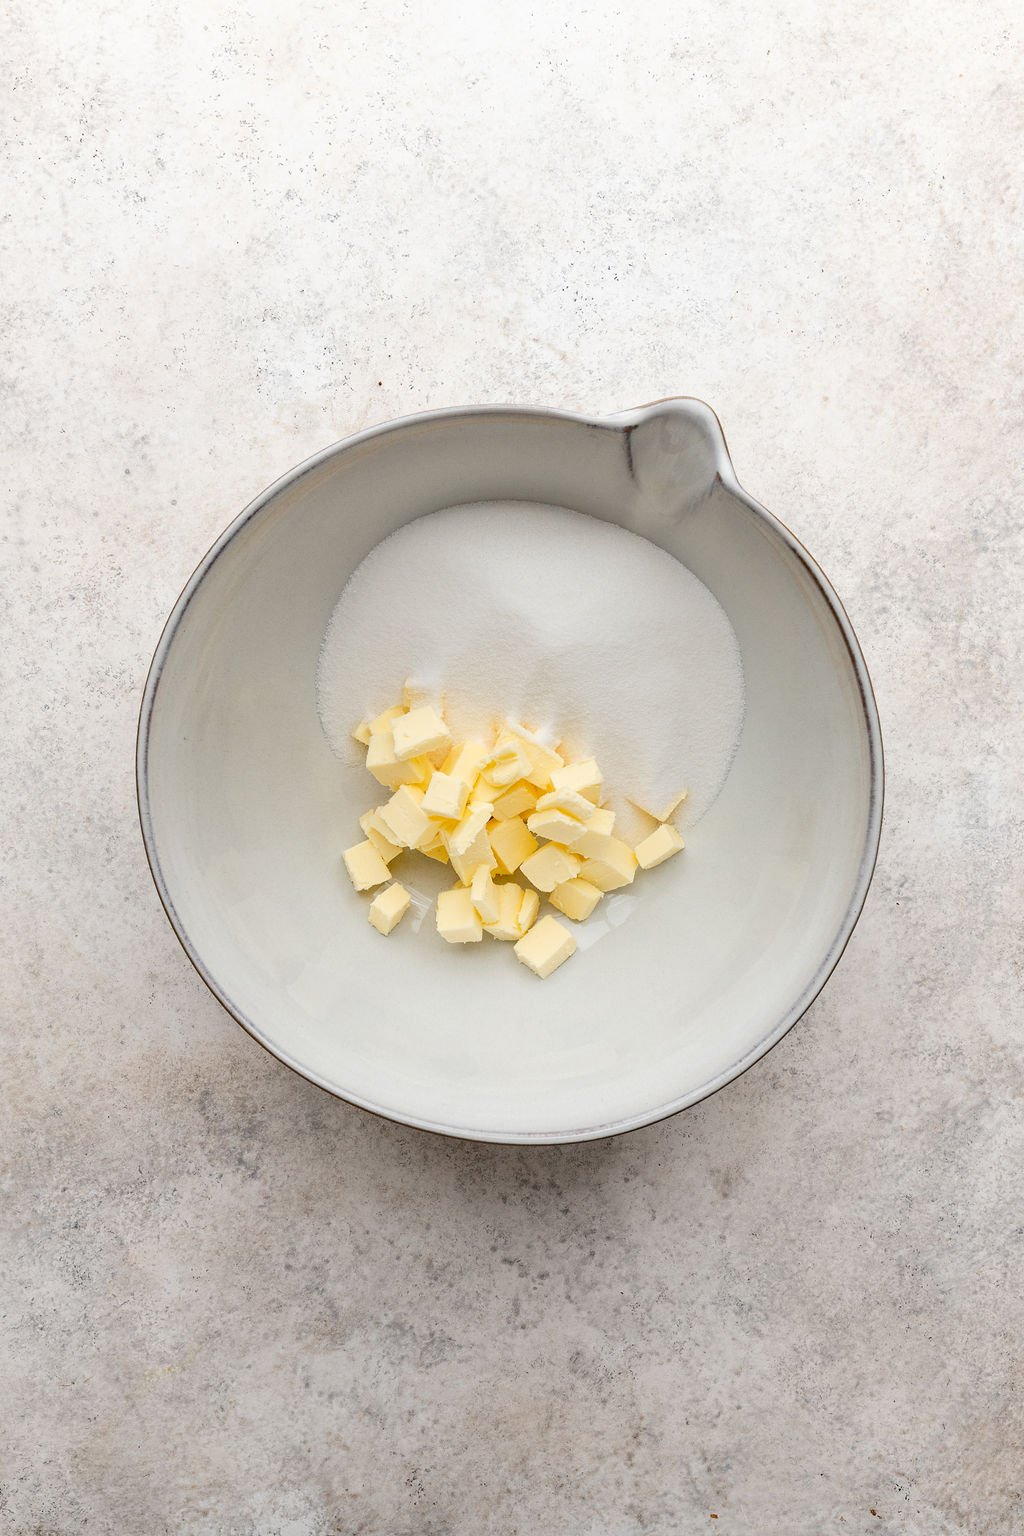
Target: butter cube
{"x": 584, "y": 778}
{"x": 506, "y": 925}
{"x": 551, "y": 866}
{"x": 567, "y": 800}
{"x": 389, "y": 907}
{"x": 420, "y": 731}
{"x": 376, "y": 833}
{"x": 365, "y": 866}
{"x": 597, "y": 835}
{"x": 404, "y": 819}
{"x": 386, "y": 717}
{"x": 436, "y": 850}
{"x": 384, "y": 764}
{"x": 661, "y": 845}
{"x": 521, "y": 797}
{"x": 362, "y": 733}
{"x": 544, "y": 761}
{"x": 466, "y": 761}
{"x": 465, "y": 833}
{"x": 528, "y": 909}
{"x": 467, "y": 863}
{"x": 557, "y": 826}
{"x": 457, "y": 919}
{"x": 484, "y": 895}
{"x": 576, "y": 898}
{"x": 484, "y": 793}
{"x": 613, "y": 868}
{"x": 508, "y": 761}
{"x": 445, "y": 796}
{"x": 667, "y": 810}
{"x": 547, "y": 946}
{"x": 512, "y": 843}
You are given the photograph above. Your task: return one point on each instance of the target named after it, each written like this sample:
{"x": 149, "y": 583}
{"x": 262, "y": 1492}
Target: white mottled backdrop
{"x": 232, "y": 233}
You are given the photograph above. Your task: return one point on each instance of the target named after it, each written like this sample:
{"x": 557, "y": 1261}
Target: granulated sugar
{"x": 574, "y": 626}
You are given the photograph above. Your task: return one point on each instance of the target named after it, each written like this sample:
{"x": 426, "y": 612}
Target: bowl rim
{"x": 620, "y": 421}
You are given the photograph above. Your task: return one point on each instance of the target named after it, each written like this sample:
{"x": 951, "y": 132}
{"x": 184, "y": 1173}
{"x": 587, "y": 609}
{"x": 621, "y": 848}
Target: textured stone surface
{"x": 232, "y": 234}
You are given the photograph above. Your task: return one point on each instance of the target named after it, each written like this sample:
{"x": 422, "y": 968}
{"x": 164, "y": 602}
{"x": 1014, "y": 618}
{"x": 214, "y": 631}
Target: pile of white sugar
{"x": 574, "y": 626}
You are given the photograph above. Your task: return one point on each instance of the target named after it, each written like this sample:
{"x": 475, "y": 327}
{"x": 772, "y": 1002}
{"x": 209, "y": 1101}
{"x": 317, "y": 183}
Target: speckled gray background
{"x": 233, "y": 233}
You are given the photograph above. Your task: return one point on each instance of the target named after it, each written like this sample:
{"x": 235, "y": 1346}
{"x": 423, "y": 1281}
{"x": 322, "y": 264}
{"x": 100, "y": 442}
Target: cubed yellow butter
{"x": 584, "y": 778}
{"x": 365, "y": 866}
{"x": 484, "y": 895}
{"x": 445, "y": 796}
{"x": 576, "y": 898}
{"x": 389, "y": 907}
{"x": 467, "y": 863}
{"x": 567, "y": 800}
{"x": 661, "y": 845}
{"x": 613, "y": 868}
{"x": 386, "y": 717}
{"x": 667, "y": 810}
{"x": 528, "y": 909}
{"x": 457, "y": 919}
{"x": 465, "y": 832}
{"x": 385, "y": 766}
{"x": 514, "y": 801}
{"x": 418, "y": 732}
{"x": 484, "y": 793}
{"x": 547, "y": 946}
{"x": 376, "y": 833}
{"x": 465, "y": 762}
{"x": 436, "y": 850}
{"x": 544, "y": 760}
{"x": 362, "y": 733}
{"x": 597, "y": 834}
{"x": 512, "y": 842}
{"x": 507, "y": 762}
{"x": 557, "y": 827}
{"x": 510, "y": 898}
{"x": 405, "y": 820}
{"x": 550, "y": 866}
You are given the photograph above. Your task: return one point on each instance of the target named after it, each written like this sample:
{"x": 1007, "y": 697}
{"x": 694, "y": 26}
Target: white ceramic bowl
{"x": 244, "y": 809}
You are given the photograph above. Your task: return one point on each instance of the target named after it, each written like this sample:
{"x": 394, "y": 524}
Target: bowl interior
{"x": 686, "y": 981}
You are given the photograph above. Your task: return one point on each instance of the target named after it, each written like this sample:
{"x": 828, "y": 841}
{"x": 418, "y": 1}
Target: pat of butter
{"x": 362, "y": 733}
{"x": 512, "y": 843}
{"x": 528, "y": 909}
{"x": 544, "y": 761}
{"x": 420, "y": 731}
{"x": 435, "y": 850}
{"x": 508, "y": 761}
{"x": 457, "y": 919}
{"x": 389, "y": 907}
{"x": 365, "y": 866}
{"x": 557, "y": 827}
{"x": 466, "y": 832}
{"x": 584, "y": 778}
{"x": 567, "y": 800}
{"x": 506, "y": 924}
{"x": 376, "y": 832}
{"x": 466, "y": 761}
{"x": 551, "y": 866}
{"x": 445, "y": 796}
{"x": 597, "y": 835}
{"x": 661, "y": 845}
{"x": 576, "y": 898}
{"x": 667, "y": 811}
{"x": 466, "y": 864}
{"x": 404, "y": 819}
{"x": 614, "y": 867}
{"x": 547, "y": 946}
{"x": 386, "y": 717}
{"x": 521, "y": 797}
{"x": 386, "y": 767}
{"x": 484, "y": 895}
